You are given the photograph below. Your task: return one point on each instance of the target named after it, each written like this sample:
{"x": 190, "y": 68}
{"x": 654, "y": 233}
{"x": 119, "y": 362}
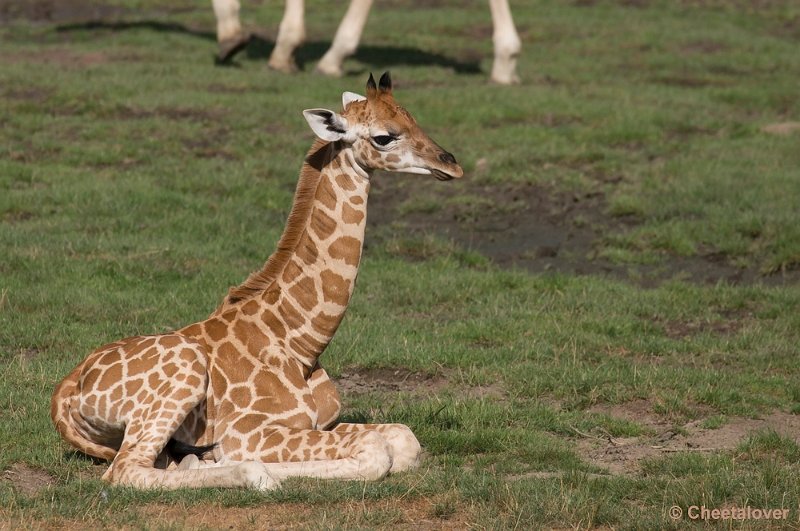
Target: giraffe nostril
{"x": 447, "y": 158}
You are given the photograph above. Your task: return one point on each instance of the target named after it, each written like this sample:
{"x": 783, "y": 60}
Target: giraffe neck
{"x": 307, "y": 283}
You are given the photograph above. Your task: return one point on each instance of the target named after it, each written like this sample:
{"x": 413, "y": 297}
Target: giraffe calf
{"x": 242, "y": 393}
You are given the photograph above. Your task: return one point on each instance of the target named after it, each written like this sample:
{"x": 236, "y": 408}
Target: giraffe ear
{"x": 372, "y": 88}
{"x": 326, "y": 124}
{"x": 385, "y": 84}
{"x": 350, "y": 97}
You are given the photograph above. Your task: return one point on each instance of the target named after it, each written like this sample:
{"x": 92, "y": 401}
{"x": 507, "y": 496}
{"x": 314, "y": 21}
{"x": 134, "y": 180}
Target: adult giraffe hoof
{"x": 506, "y": 80}
{"x": 284, "y": 67}
{"x": 330, "y": 70}
{"x": 230, "y": 47}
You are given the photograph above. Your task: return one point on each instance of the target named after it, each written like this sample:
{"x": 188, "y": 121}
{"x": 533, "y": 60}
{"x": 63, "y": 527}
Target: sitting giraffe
{"x": 291, "y": 33}
{"x": 244, "y": 389}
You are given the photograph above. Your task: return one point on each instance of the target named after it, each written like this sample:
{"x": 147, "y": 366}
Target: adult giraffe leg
{"x": 347, "y": 37}
{"x": 291, "y": 34}
{"x": 230, "y": 36}
{"x": 507, "y": 44}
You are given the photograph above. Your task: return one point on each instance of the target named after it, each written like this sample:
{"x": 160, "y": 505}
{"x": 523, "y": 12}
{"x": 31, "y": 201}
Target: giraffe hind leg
{"x": 144, "y": 440}
{"x": 173, "y": 380}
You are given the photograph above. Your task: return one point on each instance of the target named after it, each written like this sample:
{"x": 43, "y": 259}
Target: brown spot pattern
{"x": 335, "y": 288}
{"x": 325, "y": 194}
{"x": 322, "y": 224}
{"x": 346, "y": 248}
{"x": 305, "y": 293}
{"x": 351, "y": 215}
{"x": 345, "y": 181}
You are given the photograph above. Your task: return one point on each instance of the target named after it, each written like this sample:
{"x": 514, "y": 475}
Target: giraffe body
{"x": 291, "y": 34}
{"x": 247, "y": 381}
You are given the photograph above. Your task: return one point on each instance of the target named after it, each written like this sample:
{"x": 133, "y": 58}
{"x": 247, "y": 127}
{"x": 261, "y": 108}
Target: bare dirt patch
{"x": 532, "y": 227}
{"x": 59, "y": 56}
{"x": 56, "y": 10}
{"x": 361, "y": 381}
{"x": 686, "y": 329}
{"x": 625, "y": 455}
{"x": 782, "y": 128}
{"x": 402, "y": 513}
{"x": 27, "y": 479}
{"x": 515, "y": 225}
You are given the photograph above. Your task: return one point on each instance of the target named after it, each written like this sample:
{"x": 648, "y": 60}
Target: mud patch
{"x": 57, "y": 10}
{"x": 704, "y": 46}
{"x": 686, "y": 329}
{"x": 28, "y": 354}
{"x": 66, "y": 58}
{"x": 28, "y": 480}
{"x": 782, "y": 128}
{"x": 361, "y": 381}
{"x": 527, "y": 226}
{"x": 30, "y": 94}
{"x": 625, "y": 455}
{"x": 210, "y": 145}
{"x": 515, "y": 225}
{"x": 17, "y": 216}
{"x": 124, "y": 112}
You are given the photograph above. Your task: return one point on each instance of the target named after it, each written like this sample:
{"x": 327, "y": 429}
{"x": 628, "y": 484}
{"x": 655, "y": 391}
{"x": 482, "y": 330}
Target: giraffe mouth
{"x": 442, "y": 176}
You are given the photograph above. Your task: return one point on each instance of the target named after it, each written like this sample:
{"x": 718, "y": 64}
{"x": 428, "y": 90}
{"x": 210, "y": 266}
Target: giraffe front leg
{"x": 404, "y": 445}
{"x": 326, "y": 398}
{"x": 230, "y": 37}
{"x": 291, "y": 34}
{"x": 346, "y": 40}
{"x": 507, "y": 44}
{"x": 292, "y": 452}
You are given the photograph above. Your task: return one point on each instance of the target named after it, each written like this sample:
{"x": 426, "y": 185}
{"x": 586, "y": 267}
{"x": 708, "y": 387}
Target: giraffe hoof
{"x": 512, "y": 80}
{"x": 406, "y": 449}
{"x": 328, "y": 70}
{"x": 255, "y": 476}
{"x": 230, "y": 47}
{"x": 284, "y": 67}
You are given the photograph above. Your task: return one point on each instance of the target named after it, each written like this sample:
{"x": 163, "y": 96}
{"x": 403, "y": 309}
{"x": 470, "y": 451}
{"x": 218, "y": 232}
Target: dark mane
{"x": 320, "y": 154}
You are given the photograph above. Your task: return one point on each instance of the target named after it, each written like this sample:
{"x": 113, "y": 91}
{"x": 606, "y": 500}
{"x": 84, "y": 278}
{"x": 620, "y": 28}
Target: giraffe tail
{"x": 177, "y": 450}
{"x": 60, "y": 415}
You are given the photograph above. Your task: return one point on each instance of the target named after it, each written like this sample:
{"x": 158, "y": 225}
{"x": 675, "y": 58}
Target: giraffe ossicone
{"x": 242, "y": 394}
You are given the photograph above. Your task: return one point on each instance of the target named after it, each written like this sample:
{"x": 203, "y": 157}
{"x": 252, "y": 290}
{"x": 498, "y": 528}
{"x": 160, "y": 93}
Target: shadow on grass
{"x": 260, "y": 46}
{"x": 153, "y": 25}
{"x": 75, "y": 455}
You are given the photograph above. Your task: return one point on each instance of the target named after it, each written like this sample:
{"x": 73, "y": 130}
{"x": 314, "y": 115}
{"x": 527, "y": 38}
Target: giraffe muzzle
{"x": 448, "y": 168}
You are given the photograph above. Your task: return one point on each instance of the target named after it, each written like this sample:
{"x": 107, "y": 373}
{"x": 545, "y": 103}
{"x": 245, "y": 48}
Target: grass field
{"x": 598, "y": 323}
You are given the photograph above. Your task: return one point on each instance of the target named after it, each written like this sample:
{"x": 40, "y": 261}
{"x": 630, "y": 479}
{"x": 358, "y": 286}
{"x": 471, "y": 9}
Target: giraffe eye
{"x": 383, "y": 140}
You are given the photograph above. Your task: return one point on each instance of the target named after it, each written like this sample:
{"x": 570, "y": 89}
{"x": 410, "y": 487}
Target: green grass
{"x": 138, "y": 182}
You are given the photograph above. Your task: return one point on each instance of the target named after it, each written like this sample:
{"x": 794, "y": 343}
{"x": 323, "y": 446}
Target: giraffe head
{"x": 382, "y": 134}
